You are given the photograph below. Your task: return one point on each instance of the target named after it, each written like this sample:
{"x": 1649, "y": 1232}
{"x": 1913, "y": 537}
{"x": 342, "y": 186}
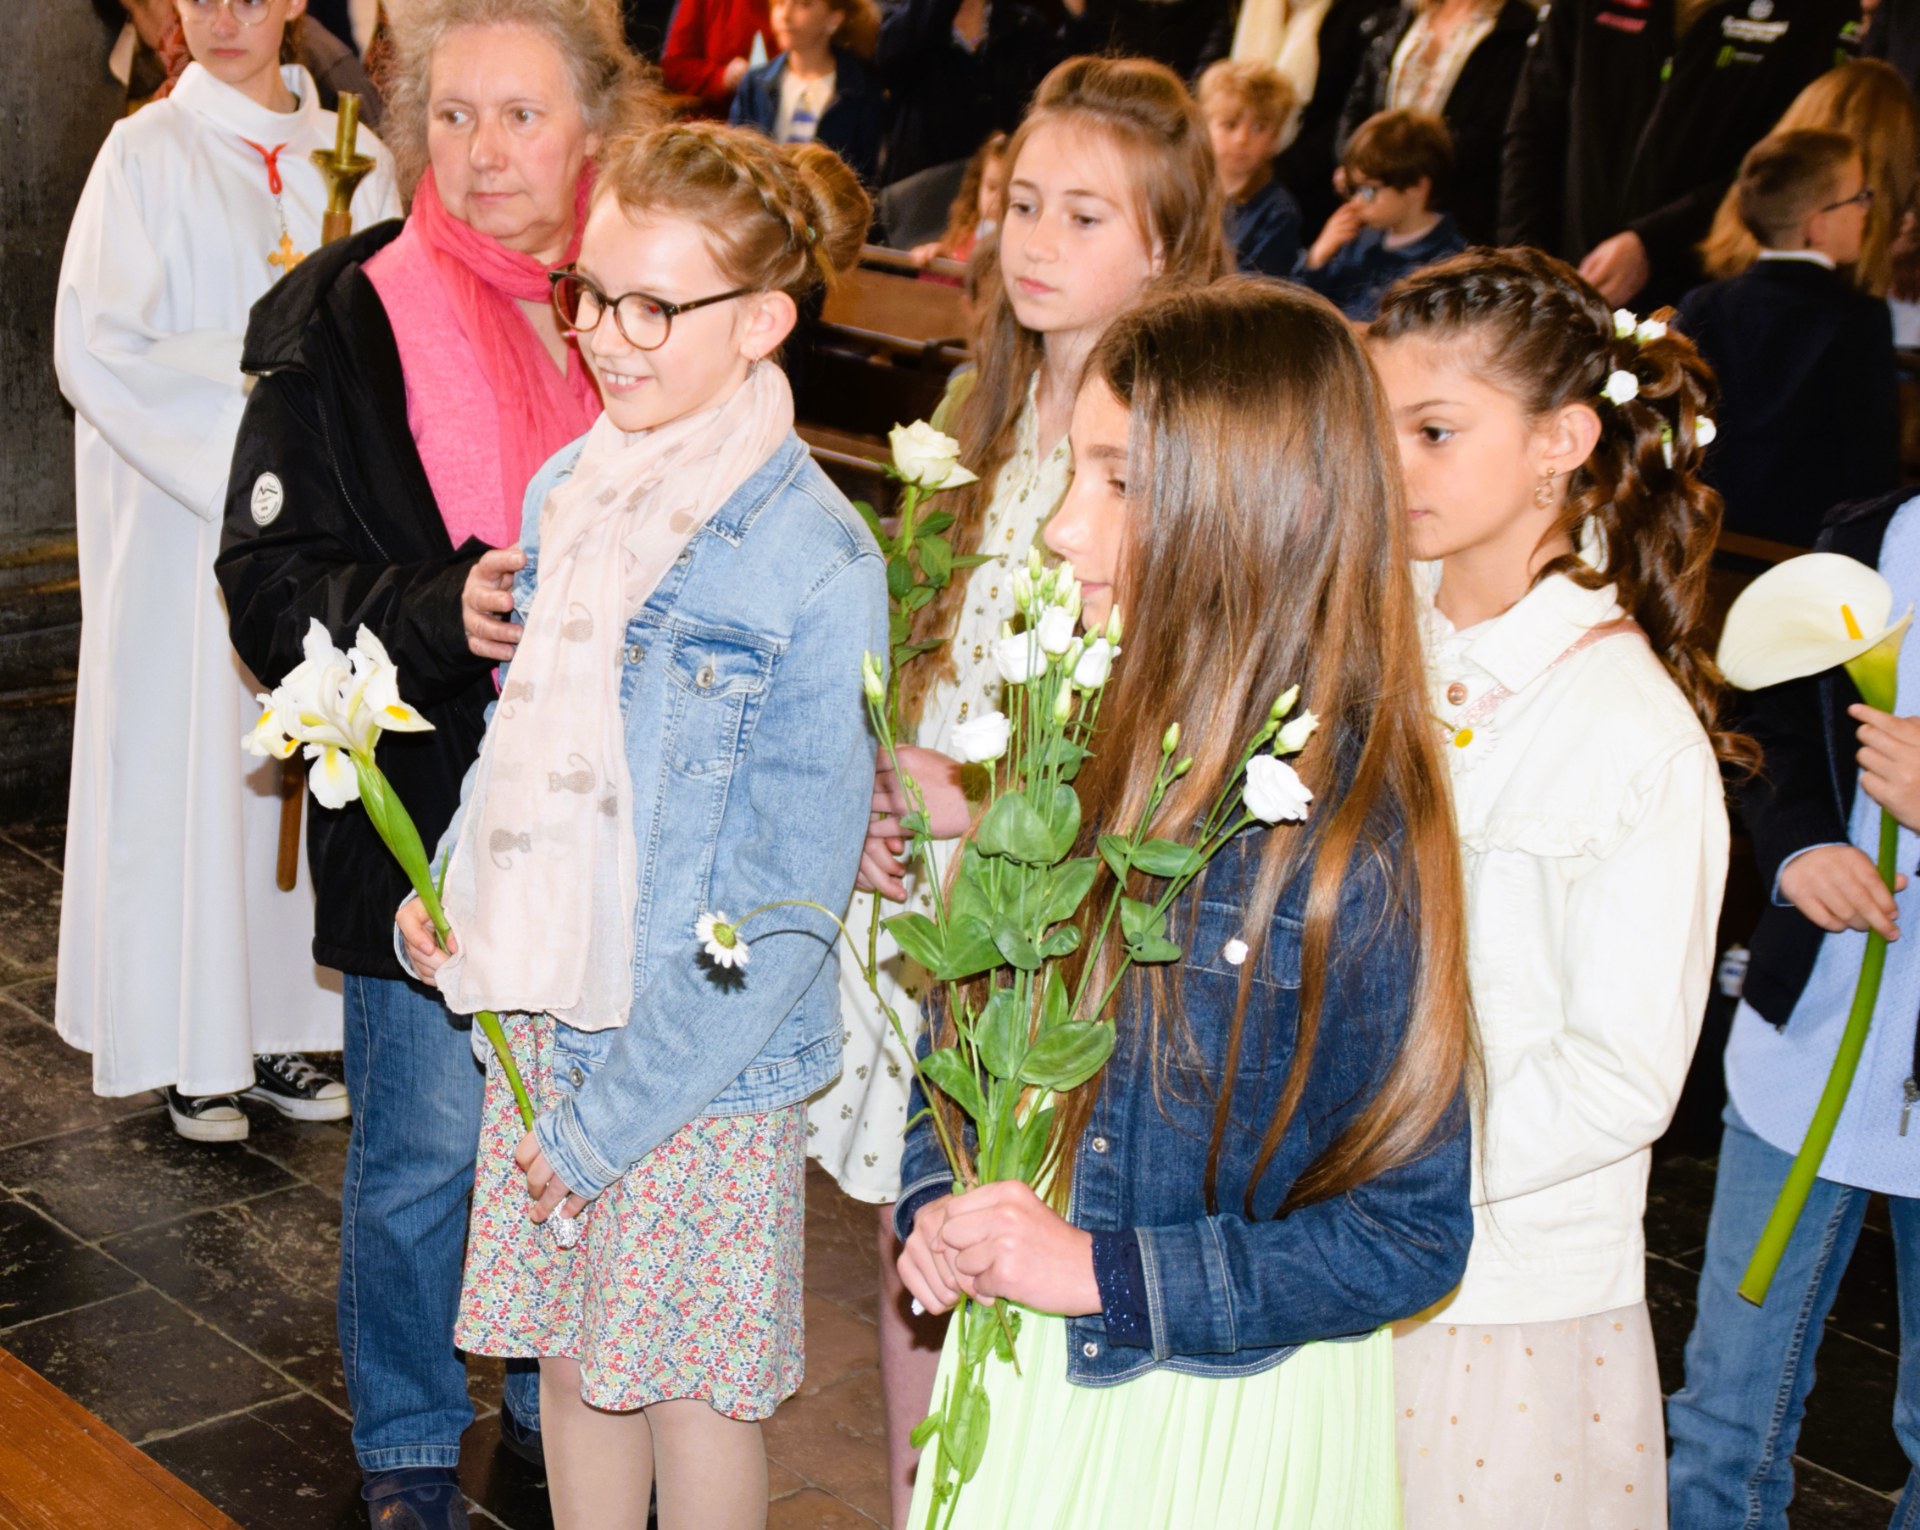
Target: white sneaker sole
{"x": 195, "y": 1130}
{"x": 303, "y": 1110}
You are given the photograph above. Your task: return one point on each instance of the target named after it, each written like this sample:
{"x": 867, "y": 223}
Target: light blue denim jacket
{"x": 752, "y": 768}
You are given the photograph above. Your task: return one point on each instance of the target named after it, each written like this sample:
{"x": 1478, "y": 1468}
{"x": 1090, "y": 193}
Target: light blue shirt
{"x": 1775, "y": 1076}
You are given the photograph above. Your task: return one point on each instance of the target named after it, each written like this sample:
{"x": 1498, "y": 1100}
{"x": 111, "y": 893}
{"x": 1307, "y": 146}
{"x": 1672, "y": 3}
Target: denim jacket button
{"x": 576, "y": 1076}
{"x": 635, "y": 653}
{"x": 1090, "y": 1349}
{"x": 704, "y": 679}
{"x": 1099, "y": 1144}
{"x": 685, "y": 557}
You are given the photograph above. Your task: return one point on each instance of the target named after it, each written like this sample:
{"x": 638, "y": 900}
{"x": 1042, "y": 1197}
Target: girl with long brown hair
{"x": 1276, "y": 1154}
{"x": 1110, "y": 188}
{"x": 1551, "y": 451}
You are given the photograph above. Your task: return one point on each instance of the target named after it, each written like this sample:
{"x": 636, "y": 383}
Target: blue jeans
{"x": 1749, "y": 1369}
{"x": 416, "y": 1092}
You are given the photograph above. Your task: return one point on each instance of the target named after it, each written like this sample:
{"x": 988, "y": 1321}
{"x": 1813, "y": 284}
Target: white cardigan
{"x": 1593, "y": 830}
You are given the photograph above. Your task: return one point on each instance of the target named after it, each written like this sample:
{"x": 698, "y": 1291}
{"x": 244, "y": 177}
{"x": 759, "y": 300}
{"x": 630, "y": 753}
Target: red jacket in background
{"x": 705, "y": 37}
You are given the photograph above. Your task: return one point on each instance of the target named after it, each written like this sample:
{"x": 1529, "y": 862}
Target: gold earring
{"x": 1543, "y": 490}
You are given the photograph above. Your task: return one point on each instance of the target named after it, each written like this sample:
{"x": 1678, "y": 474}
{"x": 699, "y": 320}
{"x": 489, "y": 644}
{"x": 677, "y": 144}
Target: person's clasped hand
{"x": 544, "y": 1187}
{"x": 486, "y": 598}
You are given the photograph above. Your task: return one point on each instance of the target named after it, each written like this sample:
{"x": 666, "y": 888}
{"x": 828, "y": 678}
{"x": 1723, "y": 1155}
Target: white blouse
{"x": 1593, "y": 831}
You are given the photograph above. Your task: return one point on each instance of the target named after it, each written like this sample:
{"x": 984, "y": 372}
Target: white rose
{"x": 1094, "y": 666}
{"x": 983, "y": 739}
{"x": 1648, "y": 330}
{"x": 925, "y": 456}
{"x": 1018, "y": 658}
{"x": 1274, "y": 791}
{"x": 1625, "y": 322}
{"x": 1704, "y": 430}
{"x": 1056, "y": 630}
{"x": 1622, "y": 388}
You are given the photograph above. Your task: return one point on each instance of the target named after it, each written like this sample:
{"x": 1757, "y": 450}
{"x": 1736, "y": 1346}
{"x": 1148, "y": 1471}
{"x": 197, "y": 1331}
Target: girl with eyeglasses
{"x": 183, "y": 967}
{"x": 681, "y": 731}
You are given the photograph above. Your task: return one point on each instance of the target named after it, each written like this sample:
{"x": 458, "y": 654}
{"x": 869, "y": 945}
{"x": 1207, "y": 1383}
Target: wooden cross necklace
{"x": 286, "y": 257}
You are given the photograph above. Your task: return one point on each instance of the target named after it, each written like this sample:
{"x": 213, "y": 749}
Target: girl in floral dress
{"x": 1110, "y": 188}
{"x": 681, "y": 731}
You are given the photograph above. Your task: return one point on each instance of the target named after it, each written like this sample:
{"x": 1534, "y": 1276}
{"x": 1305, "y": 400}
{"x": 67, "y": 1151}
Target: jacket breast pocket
{"x": 718, "y": 682}
{"x": 1210, "y": 990}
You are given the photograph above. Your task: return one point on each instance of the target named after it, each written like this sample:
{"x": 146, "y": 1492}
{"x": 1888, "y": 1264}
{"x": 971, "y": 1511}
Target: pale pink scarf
{"x": 544, "y": 880}
{"x": 540, "y": 408}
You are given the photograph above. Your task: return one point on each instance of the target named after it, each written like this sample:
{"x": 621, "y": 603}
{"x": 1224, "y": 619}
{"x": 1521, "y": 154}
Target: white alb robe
{"x": 179, "y": 957}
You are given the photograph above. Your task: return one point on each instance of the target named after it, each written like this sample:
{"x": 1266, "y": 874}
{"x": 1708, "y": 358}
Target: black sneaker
{"x": 207, "y": 1117}
{"x": 415, "y": 1498}
{"x": 294, "y": 1087}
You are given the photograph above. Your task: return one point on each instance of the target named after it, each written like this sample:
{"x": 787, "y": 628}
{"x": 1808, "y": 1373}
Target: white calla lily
{"x": 1814, "y": 613}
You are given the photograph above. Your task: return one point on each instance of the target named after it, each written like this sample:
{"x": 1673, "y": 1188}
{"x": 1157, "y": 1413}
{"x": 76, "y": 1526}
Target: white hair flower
{"x": 1704, "y": 431}
{"x": 1648, "y": 330}
{"x": 1622, "y": 387}
{"x": 1625, "y": 322}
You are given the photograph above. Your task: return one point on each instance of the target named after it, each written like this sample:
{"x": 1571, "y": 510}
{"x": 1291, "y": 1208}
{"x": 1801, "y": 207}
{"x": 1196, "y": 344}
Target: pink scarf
{"x": 544, "y": 881}
{"x": 540, "y": 410}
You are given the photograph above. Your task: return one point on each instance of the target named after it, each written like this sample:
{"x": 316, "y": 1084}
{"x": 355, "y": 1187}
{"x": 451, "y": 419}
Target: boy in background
{"x": 1246, "y": 106}
{"x": 1396, "y": 167}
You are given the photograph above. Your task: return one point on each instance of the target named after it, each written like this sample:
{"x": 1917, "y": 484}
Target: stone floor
{"x": 184, "y": 1294}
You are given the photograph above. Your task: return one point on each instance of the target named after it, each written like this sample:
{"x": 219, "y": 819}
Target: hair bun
{"x": 838, "y": 210}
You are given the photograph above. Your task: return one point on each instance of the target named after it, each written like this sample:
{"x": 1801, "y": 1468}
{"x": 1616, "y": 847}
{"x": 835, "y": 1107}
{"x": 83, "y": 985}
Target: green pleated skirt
{"x": 1306, "y": 1445}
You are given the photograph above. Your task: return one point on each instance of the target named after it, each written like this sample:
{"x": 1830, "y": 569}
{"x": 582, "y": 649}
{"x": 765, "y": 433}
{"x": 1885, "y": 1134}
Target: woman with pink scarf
{"x": 410, "y": 380}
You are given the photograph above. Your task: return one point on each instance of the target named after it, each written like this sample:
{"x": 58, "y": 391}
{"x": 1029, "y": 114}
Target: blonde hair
{"x": 1148, "y": 115}
{"x": 616, "y": 91}
{"x": 1868, "y": 101}
{"x": 1259, "y": 90}
{"x": 778, "y": 217}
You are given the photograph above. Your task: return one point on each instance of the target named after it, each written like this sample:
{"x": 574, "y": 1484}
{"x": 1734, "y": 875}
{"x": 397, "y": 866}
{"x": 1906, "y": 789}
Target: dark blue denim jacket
{"x": 1223, "y": 1294}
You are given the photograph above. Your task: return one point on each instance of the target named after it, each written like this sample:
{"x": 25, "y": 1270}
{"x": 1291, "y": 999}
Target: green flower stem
{"x": 1792, "y": 1199}
{"x": 395, "y": 826}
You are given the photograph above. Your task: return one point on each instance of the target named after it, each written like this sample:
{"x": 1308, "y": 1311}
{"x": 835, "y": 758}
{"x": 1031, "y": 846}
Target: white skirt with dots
{"x": 1546, "y": 1426}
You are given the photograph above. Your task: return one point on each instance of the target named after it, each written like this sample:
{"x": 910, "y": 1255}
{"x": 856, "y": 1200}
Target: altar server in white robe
{"x": 182, "y": 965}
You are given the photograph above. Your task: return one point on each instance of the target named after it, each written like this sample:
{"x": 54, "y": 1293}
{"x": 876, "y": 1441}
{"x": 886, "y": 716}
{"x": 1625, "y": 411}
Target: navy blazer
{"x": 1809, "y": 408}
{"x": 853, "y": 124}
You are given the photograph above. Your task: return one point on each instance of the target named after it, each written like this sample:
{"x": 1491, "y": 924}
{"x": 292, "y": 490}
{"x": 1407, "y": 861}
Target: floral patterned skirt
{"x": 686, "y": 1281}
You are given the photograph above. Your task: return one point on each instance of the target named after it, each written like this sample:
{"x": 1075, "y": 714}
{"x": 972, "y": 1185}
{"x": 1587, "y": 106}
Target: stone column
{"x": 59, "y": 101}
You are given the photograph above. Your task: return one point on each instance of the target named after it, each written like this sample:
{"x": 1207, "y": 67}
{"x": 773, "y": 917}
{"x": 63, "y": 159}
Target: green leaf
{"x": 1002, "y": 1034}
{"x": 964, "y": 1440}
{"x": 920, "y": 595}
{"x": 925, "y": 1430}
{"x": 873, "y": 521}
{"x": 1013, "y": 829}
{"x": 970, "y": 950}
{"x": 979, "y": 1343}
{"x": 1116, "y": 851}
{"x": 1067, "y": 1056}
{"x": 904, "y": 651}
{"x": 899, "y": 627}
{"x": 1062, "y": 942}
{"x": 1063, "y": 814}
{"x": 1031, "y": 1149}
{"x": 1153, "y": 949}
{"x": 951, "y": 1075}
{"x": 1053, "y": 1001}
{"x": 1140, "y": 920}
{"x": 1003, "y": 1337}
{"x": 966, "y": 899}
{"x": 936, "y": 559}
{"x": 920, "y": 938}
{"x": 1064, "y": 887}
{"x": 899, "y": 577}
{"x": 1017, "y": 948}
{"x": 1165, "y": 858}
{"x": 971, "y": 560}
{"x": 933, "y": 525}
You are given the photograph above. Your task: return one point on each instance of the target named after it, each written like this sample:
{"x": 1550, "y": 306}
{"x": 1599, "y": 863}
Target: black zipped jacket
{"x": 1804, "y": 795}
{"x": 330, "y": 515}
{"x": 1615, "y": 128}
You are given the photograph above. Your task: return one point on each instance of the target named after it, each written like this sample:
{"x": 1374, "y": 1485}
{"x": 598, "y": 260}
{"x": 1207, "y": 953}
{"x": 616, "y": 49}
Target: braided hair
{"x": 1531, "y": 326}
{"x": 778, "y": 217}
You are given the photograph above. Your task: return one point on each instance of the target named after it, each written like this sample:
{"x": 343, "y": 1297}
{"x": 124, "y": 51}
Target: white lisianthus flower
{"x": 1091, "y": 672}
{"x": 1018, "y": 658}
{"x": 1022, "y": 590}
{"x": 870, "y": 680}
{"x": 1274, "y": 791}
{"x": 721, "y": 941}
{"x": 1625, "y": 322}
{"x": 927, "y": 457}
{"x": 1113, "y": 625}
{"x": 1283, "y": 703}
{"x": 1234, "y": 952}
{"x": 1294, "y": 735}
{"x": 1622, "y": 387}
{"x": 983, "y": 739}
{"x": 1055, "y": 630}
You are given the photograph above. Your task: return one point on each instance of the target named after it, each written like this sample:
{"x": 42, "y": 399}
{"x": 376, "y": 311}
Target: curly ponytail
{"x": 1545, "y": 336}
